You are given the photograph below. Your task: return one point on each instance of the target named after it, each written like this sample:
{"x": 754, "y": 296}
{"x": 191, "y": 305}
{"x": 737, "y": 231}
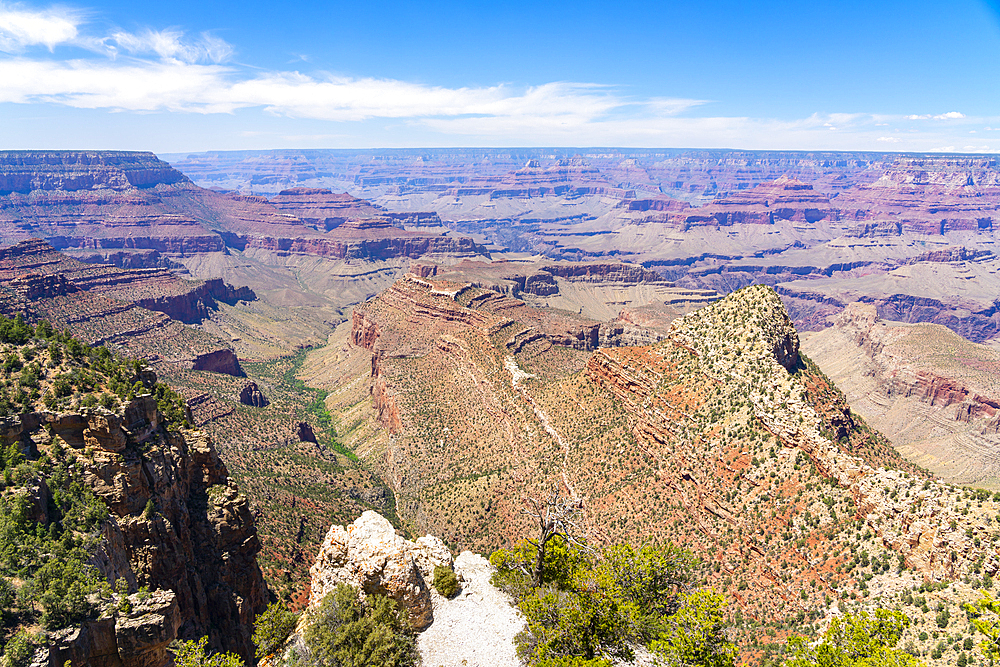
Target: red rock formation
{"x": 99, "y": 304}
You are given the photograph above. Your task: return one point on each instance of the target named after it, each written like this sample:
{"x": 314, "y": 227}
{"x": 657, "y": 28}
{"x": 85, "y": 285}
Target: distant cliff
{"x": 25, "y": 171}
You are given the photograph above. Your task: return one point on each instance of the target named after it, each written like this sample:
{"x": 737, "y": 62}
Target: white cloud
{"x": 20, "y": 28}
{"x": 171, "y": 44}
{"x": 951, "y": 115}
{"x": 889, "y": 140}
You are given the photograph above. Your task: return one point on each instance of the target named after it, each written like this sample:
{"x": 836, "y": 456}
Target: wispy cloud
{"x": 170, "y": 44}
{"x": 951, "y": 115}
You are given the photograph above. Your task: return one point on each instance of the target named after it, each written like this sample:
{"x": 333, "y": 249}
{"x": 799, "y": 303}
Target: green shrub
{"x": 345, "y": 631}
{"x": 193, "y": 654}
{"x": 593, "y": 608}
{"x": 19, "y": 650}
{"x": 272, "y": 628}
{"x": 445, "y": 581}
{"x": 856, "y": 640}
{"x": 8, "y": 598}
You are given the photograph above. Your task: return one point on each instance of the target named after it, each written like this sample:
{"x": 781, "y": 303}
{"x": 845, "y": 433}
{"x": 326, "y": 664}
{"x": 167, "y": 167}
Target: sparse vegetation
{"x": 346, "y": 631}
{"x": 445, "y": 581}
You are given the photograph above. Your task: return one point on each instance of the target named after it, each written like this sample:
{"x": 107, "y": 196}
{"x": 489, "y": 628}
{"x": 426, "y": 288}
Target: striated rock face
{"x": 370, "y": 556}
{"x": 130, "y": 308}
{"x": 24, "y": 171}
{"x": 200, "y": 542}
{"x": 135, "y": 210}
{"x": 195, "y": 305}
{"x": 930, "y": 391}
{"x": 366, "y": 243}
{"x": 36, "y": 270}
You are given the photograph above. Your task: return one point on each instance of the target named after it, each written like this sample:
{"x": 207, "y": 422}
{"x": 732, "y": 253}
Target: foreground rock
{"x": 138, "y": 638}
{"x": 370, "y": 556}
{"x": 476, "y": 627}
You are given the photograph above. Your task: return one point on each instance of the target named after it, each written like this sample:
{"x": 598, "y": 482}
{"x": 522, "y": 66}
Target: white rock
{"x": 369, "y": 555}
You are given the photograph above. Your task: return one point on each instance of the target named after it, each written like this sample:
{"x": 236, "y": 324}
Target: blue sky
{"x": 185, "y": 76}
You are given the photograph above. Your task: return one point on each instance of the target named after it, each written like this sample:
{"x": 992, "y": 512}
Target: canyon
{"x": 717, "y": 435}
{"x": 439, "y": 335}
{"x": 912, "y": 233}
{"x": 932, "y": 392}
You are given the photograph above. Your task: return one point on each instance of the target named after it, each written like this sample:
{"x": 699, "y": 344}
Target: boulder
{"x": 143, "y": 635}
{"x": 304, "y": 432}
{"x": 430, "y": 553}
{"x": 370, "y": 556}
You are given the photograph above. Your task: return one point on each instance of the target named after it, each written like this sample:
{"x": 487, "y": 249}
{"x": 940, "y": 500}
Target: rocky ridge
{"x": 913, "y": 516}
{"x": 177, "y": 527}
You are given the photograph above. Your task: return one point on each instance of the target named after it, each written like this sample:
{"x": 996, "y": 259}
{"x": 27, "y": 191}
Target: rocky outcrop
{"x": 137, "y": 638}
{"x": 475, "y": 627}
{"x": 370, "y": 556}
{"x": 195, "y": 305}
{"x": 304, "y": 432}
{"x": 199, "y": 541}
{"x": 218, "y": 361}
{"x": 251, "y": 395}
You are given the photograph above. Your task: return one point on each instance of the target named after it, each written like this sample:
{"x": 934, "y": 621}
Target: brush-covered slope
{"x": 721, "y": 437}
{"x": 935, "y": 394}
